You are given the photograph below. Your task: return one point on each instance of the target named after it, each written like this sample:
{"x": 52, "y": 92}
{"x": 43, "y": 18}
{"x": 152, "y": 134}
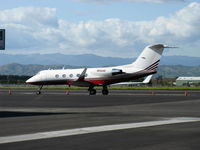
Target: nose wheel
{"x": 39, "y": 90}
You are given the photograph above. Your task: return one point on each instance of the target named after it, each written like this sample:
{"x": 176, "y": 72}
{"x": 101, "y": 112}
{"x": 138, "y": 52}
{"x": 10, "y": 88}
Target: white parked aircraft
{"x": 146, "y": 64}
{"x": 145, "y": 81}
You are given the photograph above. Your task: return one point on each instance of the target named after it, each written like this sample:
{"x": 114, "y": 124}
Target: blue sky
{"x": 119, "y": 28}
{"x": 74, "y": 10}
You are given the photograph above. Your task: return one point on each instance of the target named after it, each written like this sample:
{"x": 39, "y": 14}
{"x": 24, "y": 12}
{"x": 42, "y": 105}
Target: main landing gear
{"x": 39, "y": 90}
{"x": 105, "y": 90}
{"x": 92, "y": 91}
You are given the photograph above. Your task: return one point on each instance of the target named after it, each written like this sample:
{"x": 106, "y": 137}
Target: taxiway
{"x": 167, "y": 120}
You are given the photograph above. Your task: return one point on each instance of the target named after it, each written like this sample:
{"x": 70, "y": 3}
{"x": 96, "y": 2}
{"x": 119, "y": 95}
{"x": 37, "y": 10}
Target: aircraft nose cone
{"x": 29, "y": 81}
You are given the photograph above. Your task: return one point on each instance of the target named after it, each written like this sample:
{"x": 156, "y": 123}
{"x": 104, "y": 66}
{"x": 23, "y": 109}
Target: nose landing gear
{"x": 39, "y": 90}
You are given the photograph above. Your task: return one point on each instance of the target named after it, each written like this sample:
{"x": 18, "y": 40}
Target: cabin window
{"x": 57, "y": 76}
{"x": 78, "y": 75}
{"x": 71, "y": 75}
{"x": 86, "y": 75}
{"x": 64, "y": 75}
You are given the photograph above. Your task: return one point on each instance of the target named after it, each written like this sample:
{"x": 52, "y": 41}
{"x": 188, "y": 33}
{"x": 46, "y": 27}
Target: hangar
{"x": 187, "y": 81}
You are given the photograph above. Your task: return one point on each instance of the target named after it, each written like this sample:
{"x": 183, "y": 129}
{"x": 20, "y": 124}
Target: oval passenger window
{"x": 57, "y": 76}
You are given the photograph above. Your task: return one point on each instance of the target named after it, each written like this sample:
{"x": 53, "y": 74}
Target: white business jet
{"x": 146, "y": 64}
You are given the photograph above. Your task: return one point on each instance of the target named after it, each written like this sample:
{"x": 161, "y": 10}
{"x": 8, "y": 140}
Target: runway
{"x": 163, "y": 120}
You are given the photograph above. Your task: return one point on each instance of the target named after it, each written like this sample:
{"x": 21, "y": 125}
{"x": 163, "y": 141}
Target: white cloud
{"x": 28, "y": 30}
{"x": 29, "y": 16}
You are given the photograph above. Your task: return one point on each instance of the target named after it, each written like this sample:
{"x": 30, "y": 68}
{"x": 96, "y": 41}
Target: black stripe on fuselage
{"x": 152, "y": 66}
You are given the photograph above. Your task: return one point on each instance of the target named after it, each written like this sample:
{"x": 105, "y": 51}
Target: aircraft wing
{"x": 81, "y": 80}
{"x": 82, "y": 76}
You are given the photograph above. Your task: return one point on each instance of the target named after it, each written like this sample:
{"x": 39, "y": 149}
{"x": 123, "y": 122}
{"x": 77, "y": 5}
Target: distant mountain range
{"x": 19, "y": 69}
{"x": 163, "y": 70}
{"x": 88, "y": 60}
{"x": 169, "y": 71}
{"x": 171, "y": 66}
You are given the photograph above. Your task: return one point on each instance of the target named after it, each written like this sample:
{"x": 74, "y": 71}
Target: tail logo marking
{"x": 153, "y": 66}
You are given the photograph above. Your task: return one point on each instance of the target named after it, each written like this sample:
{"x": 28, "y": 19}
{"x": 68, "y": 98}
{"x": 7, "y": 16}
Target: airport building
{"x": 187, "y": 81}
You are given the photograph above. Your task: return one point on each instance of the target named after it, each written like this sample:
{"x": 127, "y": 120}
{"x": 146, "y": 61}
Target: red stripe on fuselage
{"x": 98, "y": 82}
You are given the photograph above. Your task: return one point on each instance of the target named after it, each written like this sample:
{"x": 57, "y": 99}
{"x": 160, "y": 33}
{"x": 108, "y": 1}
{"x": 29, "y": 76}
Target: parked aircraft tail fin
{"x": 148, "y": 79}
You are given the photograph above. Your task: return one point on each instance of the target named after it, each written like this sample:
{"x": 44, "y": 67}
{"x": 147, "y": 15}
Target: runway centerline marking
{"x": 94, "y": 129}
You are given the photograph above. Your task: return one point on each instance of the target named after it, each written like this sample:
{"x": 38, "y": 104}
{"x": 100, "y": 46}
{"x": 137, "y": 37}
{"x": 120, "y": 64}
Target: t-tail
{"x": 150, "y": 57}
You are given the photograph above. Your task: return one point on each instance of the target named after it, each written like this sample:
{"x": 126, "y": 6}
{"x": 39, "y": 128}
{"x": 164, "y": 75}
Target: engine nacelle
{"x": 117, "y": 71}
{"x": 108, "y": 72}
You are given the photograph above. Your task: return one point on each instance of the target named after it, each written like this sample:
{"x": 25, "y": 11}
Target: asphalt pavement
{"x": 167, "y": 120}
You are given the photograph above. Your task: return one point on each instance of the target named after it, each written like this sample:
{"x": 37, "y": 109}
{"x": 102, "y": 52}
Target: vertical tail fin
{"x": 150, "y": 57}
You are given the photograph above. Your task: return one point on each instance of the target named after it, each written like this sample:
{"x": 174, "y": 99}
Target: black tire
{"x": 105, "y": 92}
{"x": 38, "y": 92}
{"x": 93, "y": 92}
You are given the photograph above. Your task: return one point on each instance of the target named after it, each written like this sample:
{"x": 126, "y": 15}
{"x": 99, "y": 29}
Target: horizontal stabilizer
{"x": 160, "y": 46}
